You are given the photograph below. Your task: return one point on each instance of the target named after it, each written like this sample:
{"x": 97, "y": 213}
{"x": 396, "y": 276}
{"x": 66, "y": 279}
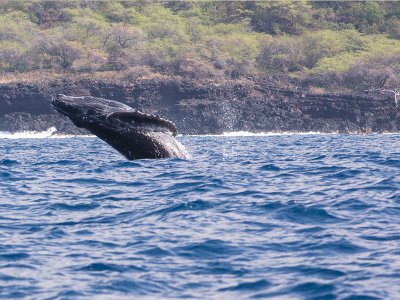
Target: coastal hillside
{"x": 322, "y": 45}
{"x": 210, "y": 66}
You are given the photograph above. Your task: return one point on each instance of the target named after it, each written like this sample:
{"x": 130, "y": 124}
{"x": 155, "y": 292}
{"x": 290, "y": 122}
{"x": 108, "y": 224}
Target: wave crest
{"x": 49, "y": 133}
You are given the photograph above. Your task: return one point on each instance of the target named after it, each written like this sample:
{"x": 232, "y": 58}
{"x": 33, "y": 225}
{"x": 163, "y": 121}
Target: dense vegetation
{"x": 324, "y": 45}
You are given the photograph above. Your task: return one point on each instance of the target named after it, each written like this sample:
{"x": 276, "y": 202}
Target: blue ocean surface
{"x": 279, "y": 216}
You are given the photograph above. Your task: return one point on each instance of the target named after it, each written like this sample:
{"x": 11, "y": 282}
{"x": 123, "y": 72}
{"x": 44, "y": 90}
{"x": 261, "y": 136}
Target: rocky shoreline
{"x": 253, "y": 105}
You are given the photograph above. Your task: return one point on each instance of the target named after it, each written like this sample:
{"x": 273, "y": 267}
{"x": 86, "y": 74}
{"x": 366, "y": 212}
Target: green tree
{"x": 53, "y": 51}
{"x": 286, "y": 16}
{"x": 367, "y": 16}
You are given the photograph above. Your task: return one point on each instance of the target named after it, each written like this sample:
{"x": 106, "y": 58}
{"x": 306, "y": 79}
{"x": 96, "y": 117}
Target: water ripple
{"x": 280, "y": 217}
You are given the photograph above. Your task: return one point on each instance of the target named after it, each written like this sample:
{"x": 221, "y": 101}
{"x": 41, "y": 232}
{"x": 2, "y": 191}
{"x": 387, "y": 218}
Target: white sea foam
{"x": 49, "y": 133}
{"x": 52, "y": 133}
{"x": 248, "y": 133}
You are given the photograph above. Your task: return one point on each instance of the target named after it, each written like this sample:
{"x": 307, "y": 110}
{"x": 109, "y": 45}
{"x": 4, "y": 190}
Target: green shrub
{"x": 52, "y": 51}
{"x": 275, "y": 17}
{"x": 367, "y": 16}
{"x": 315, "y": 40}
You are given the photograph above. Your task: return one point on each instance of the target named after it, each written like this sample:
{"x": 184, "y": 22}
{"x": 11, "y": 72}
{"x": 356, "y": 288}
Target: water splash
{"x": 49, "y": 133}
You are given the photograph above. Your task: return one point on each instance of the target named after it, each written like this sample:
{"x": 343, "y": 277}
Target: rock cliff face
{"x": 199, "y": 108}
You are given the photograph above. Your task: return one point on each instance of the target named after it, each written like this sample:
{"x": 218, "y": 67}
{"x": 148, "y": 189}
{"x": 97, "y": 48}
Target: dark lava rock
{"x": 201, "y": 108}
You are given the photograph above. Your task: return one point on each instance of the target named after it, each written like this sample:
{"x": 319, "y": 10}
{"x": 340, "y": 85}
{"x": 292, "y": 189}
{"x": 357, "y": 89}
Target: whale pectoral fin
{"x": 141, "y": 120}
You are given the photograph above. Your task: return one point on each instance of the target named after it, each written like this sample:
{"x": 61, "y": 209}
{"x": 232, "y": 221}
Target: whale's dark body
{"x": 134, "y": 134}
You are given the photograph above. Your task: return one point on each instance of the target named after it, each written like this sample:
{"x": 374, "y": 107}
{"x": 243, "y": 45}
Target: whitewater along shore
{"x": 253, "y": 105}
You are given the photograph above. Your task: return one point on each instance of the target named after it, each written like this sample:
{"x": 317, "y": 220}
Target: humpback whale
{"x": 134, "y": 134}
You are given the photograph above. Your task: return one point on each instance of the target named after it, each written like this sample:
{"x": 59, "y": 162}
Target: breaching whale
{"x": 134, "y": 134}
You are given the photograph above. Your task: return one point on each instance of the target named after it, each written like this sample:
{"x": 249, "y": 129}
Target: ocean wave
{"x": 277, "y": 217}
{"x": 249, "y": 133}
{"x": 281, "y": 133}
{"x": 49, "y": 133}
{"x": 52, "y": 133}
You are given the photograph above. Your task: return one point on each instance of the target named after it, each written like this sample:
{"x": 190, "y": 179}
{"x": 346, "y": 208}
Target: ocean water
{"x": 263, "y": 217}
